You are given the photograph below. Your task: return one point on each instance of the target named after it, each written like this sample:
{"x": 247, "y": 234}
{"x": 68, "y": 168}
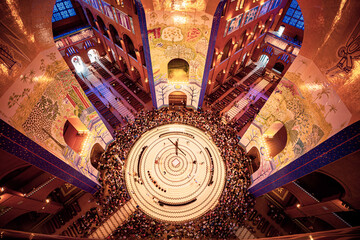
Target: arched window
{"x": 93, "y": 55}
{"x": 91, "y": 19}
{"x": 130, "y": 49}
{"x": 115, "y": 35}
{"x": 263, "y": 60}
{"x": 78, "y": 63}
{"x": 226, "y": 50}
{"x": 178, "y": 70}
{"x": 75, "y": 134}
{"x": 102, "y": 27}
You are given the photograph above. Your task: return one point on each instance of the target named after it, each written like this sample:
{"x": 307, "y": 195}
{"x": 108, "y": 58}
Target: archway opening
{"x": 178, "y": 71}
{"x": 78, "y": 64}
{"x": 232, "y": 68}
{"x": 102, "y": 26}
{"x": 242, "y": 40}
{"x": 93, "y": 55}
{"x": 254, "y": 155}
{"x": 130, "y": 49}
{"x": 279, "y": 67}
{"x": 263, "y": 60}
{"x": 177, "y": 100}
{"x": 91, "y": 19}
{"x": 321, "y": 186}
{"x": 115, "y": 35}
{"x": 137, "y": 76}
{"x": 75, "y": 134}
{"x": 95, "y": 156}
{"x": 226, "y": 50}
{"x": 275, "y": 138}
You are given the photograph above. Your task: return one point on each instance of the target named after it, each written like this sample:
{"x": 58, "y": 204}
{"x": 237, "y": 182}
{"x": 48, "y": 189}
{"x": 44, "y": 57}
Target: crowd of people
{"x": 234, "y": 204}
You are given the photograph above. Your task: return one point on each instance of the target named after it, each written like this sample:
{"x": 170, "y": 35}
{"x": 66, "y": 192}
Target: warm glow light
{"x": 146, "y": 80}
{"x": 298, "y": 205}
{"x": 179, "y": 19}
{"x": 47, "y": 200}
{"x": 2, "y": 189}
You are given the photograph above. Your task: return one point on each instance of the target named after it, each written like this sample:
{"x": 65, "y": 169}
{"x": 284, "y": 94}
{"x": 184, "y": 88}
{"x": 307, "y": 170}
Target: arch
{"x": 233, "y": 68}
{"x": 91, "y": 18}
{"x": 219, "y": 76}
{"x": 93, "y": 55}
{"x": 102, "y": 26}
{"x": 242, "y": 40}
{"x": 243, "y": 59}
{"x": 78, "y": 63}
{"x": 275, "y": 138}
{"x": 226, "y": 50}
{"x": 178, "y": 70}
{"x": 75, "y": 133}
{"x": 95, "y": 154}
{"x": 124, "y": 65}
{"x": 254, "y": 155}
{"x": 321, "y": 186}
{"x": 279, "y": 67}
{"x": 264, "y": 27}
{"x": 263, "y": 60}
{"x": 137, "y": 76}
{"x": 280, "y": 30}
{"x": 177, "y": 100}
{"x": 115, "y": 36}
{"x": 130, "y": 49}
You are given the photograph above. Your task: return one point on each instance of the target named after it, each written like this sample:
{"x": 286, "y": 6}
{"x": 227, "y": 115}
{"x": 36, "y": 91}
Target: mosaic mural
{"x": 309, "y": 108}
{"x": 320, "y": 93}
{"x": 183, "y": 35}
{"x": 38, "y": 91}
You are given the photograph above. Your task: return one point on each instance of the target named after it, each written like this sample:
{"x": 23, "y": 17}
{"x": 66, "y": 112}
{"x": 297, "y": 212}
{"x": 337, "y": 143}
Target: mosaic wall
{"x": 180, "y": 34}
{"x": 309, "y": 108}
{"x": 39, "y": 92}
{"x": 320, "y": 94}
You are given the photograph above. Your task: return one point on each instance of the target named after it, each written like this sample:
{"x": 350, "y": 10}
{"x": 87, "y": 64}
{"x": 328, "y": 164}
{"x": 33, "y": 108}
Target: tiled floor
{"x": 175, "y": 185}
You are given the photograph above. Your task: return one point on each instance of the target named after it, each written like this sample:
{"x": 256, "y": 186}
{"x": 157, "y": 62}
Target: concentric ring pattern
{"x": 175, "y": 173}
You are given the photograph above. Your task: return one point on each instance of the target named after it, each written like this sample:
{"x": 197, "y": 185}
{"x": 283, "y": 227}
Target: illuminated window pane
{"x": 294, "y": 16}
{"x": 62, "y": 9}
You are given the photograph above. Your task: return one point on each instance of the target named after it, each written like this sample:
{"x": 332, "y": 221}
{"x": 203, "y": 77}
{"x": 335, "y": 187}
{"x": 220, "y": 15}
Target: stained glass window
{"x": 294, "y": 16}
{"x": 62, "y": 9}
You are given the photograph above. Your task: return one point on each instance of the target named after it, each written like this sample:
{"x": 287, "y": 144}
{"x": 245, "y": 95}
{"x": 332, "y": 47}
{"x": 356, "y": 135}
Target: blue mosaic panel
{"x": 62, "y": 9}
{"x": 294, "y": 16}
{"x": 251, "y": 15}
